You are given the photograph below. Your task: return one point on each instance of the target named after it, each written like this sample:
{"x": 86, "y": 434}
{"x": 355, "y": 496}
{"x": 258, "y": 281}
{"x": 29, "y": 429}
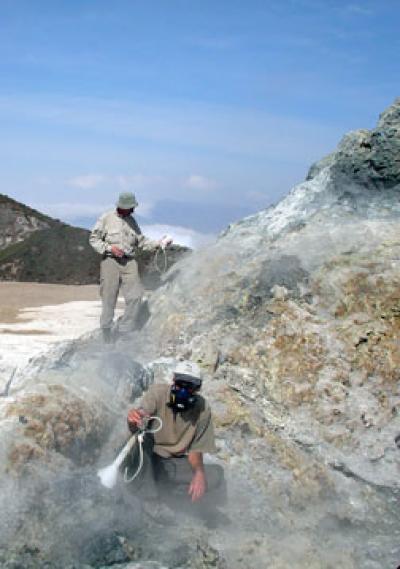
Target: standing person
{"x": 118, "y": 238}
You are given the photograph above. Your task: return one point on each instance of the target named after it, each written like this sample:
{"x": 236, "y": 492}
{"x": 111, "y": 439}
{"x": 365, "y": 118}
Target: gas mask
{"x": 183, "y": 392}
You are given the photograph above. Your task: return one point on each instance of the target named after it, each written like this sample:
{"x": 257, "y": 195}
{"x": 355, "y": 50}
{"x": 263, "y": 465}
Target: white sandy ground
{"x": 34, "y": 331}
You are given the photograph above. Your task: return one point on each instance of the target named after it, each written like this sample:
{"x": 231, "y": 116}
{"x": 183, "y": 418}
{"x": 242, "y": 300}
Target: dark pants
{"x": 168, "y": 479}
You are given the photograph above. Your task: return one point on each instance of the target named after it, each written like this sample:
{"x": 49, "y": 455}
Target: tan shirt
{"x": 182, "y": 432}
{"x": 124, "y": 232}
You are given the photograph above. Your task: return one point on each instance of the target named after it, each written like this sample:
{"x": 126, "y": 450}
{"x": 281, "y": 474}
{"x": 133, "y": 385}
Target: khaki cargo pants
{"x": 116, "y": 274}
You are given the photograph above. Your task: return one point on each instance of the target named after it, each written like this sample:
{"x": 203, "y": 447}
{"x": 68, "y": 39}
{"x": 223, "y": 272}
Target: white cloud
{"x": 196, "y": 182}
{"x": 137, "y": 182}
{"x": 120, "y": 181}
{"x": 87, "y": 181}
{"x": 181, "y": 235}
{"x": 70, "y": 211}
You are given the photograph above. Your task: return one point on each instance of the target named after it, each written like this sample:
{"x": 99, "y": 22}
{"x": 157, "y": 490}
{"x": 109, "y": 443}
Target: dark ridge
{"x": 6, "y": 201}
{"x": 60, "y": 254}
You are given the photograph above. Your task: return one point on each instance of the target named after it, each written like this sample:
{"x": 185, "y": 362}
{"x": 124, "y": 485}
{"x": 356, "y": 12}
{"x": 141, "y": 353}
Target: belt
{"x": 122, "y": 259}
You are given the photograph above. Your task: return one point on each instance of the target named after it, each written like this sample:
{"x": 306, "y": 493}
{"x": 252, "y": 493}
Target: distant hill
{"x": 18, "y": 221}
{"x": 37, "y": 248}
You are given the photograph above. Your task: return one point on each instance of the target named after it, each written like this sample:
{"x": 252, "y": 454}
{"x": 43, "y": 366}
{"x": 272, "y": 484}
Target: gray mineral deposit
{"x": 294, "y": 316}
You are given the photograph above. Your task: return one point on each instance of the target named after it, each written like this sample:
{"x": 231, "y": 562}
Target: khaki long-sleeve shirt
{"x": 124, "y": 232}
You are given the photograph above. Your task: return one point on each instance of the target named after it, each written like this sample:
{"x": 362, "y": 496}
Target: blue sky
{"x": 208, "y": 110}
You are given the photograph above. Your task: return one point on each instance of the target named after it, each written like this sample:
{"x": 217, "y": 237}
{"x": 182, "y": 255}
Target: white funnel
{"x": 109, "y": 475}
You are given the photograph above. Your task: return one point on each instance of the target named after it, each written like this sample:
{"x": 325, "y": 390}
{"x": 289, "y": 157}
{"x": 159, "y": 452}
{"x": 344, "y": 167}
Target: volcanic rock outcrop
{"x": 294, "y": 315}
{"x": 305, "y": 298}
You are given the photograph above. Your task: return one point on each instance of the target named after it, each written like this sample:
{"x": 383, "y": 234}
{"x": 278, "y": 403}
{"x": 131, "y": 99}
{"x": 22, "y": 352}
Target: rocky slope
{"x": 37, "y": 248}
{"x": 294, "y": 316}
{"x": 18, "y": 221}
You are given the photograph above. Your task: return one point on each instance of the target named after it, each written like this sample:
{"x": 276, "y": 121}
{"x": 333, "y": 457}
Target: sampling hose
{"x": 140, "y": 439}
{"x": 155, "y": 262}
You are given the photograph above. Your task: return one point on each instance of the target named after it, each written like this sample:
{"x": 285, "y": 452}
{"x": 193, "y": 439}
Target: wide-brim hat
{"x": 126, "y": 200}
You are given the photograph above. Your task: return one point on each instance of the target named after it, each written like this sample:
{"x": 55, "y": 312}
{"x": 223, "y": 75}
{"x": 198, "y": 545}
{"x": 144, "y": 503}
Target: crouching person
{"x": 173, "y": 469}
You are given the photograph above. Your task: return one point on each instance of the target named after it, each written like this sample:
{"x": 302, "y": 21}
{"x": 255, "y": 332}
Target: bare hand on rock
{"x": 197, "y": 486}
